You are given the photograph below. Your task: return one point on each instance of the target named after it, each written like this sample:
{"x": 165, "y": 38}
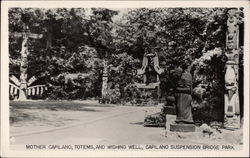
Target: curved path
{"x": 125, "y": 127}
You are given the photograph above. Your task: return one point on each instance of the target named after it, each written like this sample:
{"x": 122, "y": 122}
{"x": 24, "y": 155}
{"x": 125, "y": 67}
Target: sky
{"x": 122, "y": 11}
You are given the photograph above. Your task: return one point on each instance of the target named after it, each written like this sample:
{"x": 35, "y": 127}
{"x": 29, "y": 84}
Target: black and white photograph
{"x": 128, "y": 80}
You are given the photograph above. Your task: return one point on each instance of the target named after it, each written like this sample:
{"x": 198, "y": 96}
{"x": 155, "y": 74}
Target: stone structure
{"x": 151, "y": 83}
{"x": 22, "y": 84}
{"x": 232, "y": 107}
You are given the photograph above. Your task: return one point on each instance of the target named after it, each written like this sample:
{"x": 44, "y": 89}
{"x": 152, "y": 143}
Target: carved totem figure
{"x": 232, "y": 112}
{"x": 24, "y": 68}
{"x": 107, "y": 88}
{"x": 23, "y": 86}
{"x": 105, "y": 79}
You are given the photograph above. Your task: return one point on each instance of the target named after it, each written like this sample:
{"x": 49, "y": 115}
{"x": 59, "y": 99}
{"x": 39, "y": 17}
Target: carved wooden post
{"x": 24, "y": 68}
{"x": 232, "y": 107}
{"x": 24, "y": 60}
{"x": 104, "y": 79}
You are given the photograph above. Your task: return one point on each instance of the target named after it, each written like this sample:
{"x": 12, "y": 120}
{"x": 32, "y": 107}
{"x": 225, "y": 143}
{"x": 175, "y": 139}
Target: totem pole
{"x": 104, "y": 79}
{"x": 22, "y": 84}
{"x": 231, "y": 97}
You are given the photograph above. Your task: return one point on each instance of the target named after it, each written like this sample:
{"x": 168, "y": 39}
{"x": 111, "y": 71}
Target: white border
{"x": 6, "y": 152}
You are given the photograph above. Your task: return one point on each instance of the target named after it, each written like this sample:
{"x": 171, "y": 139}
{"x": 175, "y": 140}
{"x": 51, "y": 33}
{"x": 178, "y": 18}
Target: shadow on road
{"x": 55, "y": 105}
{"x": 137, "y": 123}
{"x": 21, "y": 110}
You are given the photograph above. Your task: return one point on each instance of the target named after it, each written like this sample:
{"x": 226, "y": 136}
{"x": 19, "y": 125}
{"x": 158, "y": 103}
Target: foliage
{"x": 178, "y": 35}
{"x": 77, "y": 40}
{"x": 74, "y": 42}
{"x": 209, "y": 86}
{"x": 132, "y": 93}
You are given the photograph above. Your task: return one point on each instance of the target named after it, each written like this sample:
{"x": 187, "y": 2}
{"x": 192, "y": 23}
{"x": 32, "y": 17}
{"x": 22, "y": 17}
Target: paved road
{"x": 126, "y": 128}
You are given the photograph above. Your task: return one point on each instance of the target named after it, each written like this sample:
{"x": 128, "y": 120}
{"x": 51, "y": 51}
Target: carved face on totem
{"x": 23, "y": 77}
{"x": 231, "y": 13}
{"x": 231, "y": 91}
{"x": 24, "y": 62}
{"x": 230, "y": 45}
{"x": 230, "y": 35}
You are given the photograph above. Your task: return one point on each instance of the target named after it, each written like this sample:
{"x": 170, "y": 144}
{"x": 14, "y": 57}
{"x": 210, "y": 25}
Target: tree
{"x": 78, "y": 40}
{"x": 181, "y": 35}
